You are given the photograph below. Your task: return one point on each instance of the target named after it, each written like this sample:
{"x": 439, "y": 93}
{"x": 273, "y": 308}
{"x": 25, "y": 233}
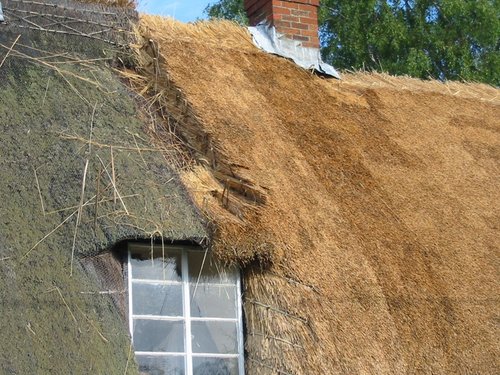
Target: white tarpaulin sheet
{"x": 268, "y": 39}
{"x": 1, "y": 13}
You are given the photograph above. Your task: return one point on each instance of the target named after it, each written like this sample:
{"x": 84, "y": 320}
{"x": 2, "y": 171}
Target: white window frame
{"x": 186, "y": 318}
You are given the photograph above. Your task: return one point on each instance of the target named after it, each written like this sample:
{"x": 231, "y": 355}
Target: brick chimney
{"x": 295, "y": 19}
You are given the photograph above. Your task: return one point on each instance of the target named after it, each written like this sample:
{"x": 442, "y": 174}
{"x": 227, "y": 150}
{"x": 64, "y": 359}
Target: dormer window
{"x": 184, "y": 312}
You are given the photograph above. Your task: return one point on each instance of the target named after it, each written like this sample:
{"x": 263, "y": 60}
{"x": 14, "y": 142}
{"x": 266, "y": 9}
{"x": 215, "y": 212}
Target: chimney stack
{"x": 295, "y": 19}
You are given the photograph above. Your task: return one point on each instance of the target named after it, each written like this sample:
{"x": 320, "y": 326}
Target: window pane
{"x": 153, "y": 266}
{"x": 213, "y": 301}
{"x": 161, "y": 365}
{"x": 211, "y": 271}
{"x": 150, "y": 299}
{"x": 158, "y": 336}
{"x": 214, "y": 337}
{"x": 215, "y": 366}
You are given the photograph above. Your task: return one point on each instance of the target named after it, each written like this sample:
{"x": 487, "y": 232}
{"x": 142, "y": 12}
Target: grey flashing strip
{"x": 2, "y": 19}
{"x": 269, "y": 40}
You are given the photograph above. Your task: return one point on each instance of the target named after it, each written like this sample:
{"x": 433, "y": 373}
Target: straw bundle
{"x": 363, "y": 210}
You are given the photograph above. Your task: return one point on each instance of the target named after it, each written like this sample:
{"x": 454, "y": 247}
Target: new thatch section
{"x": 364, "y": 211}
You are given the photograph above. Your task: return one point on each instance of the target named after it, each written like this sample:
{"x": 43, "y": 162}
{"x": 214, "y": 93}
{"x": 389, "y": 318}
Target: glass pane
{"x": 215, "y": 366}
{"x": 153, "y": 266}
{"x": 150, "y": 299}
{"x": 212, "y": 272}
{"x": 158, "y": 336}
{"x": 214, "y": 337}
{"x": 213, "y": 301}
{"x": 161, "y": 365}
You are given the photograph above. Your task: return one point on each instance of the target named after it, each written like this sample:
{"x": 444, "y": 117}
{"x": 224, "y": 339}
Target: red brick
{"x": 305, "y": 7}
{"x": 296, "y": 19}
{"x": 300, "y": 26}
{"x": 285, "y": 4}
{"x": 282, "y": 10}
{"x": 309, "y": 21}
{"x": 309, "y": 2}
{"x": 289, "y": 18}
{"x": 301, "y": 38}
{"x": 300, "y": 13}
{"x": 280, "y": 24}
{"x": 287, "y": 31}
{"x": 313, "y": 33}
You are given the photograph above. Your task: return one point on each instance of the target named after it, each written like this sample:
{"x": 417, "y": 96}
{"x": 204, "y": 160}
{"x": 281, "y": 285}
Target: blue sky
{"x": 183, "y": 10}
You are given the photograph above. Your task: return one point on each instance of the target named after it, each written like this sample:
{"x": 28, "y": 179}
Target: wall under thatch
{"x": 370, "y": 204}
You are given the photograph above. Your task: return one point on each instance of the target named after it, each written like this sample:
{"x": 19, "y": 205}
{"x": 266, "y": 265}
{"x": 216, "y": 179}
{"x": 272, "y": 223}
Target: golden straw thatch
{"x": 364, "y": 211}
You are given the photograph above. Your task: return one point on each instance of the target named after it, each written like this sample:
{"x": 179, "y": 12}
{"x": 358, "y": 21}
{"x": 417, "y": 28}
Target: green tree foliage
{"x": 228, "y": 9}
{"x": 444, "y": 39}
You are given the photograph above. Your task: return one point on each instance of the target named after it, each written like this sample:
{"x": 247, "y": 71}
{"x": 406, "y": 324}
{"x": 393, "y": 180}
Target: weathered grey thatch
{"x": 70, "y": 18}
{"x": 61, "y": 114}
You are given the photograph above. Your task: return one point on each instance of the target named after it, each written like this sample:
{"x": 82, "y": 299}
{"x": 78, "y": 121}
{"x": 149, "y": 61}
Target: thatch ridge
{"x": 376, "y": 208}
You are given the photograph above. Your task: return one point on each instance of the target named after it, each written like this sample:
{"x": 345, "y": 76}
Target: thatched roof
{"x": 78, "y": 174}
{"x": 365, "y": 210}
